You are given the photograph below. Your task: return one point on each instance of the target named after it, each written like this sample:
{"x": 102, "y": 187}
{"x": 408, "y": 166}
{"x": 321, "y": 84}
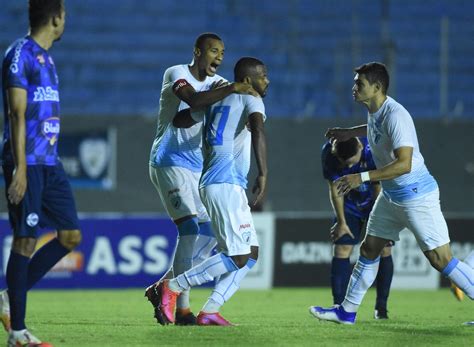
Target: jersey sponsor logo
{"x": 32, "y": 219}
{"x": 46, "y": 94}
{"x": 180, "y": 84}
{"x": 16, "y": 57}
{"x": 50, "y": 129}
{"x": 244, "y": 226}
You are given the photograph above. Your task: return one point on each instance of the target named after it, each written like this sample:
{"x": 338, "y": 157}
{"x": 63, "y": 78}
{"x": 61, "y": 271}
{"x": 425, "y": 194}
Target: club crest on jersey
{"x": 46, "y": 94}
{"x": 50, "y": 129}
{"x": 246, "y": 237}
{"x": 40, "y": 59}
{"x": 175, "y": 199}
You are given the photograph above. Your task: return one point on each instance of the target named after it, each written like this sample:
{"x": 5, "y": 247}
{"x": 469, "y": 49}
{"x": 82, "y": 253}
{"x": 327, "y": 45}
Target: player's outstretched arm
{"x": 17, "y": 99}
{"x": 199, "y": 100}
{"x": 183, "y": 119}
{"x": 344, "y": 134}
{"x": 260, "y": 150}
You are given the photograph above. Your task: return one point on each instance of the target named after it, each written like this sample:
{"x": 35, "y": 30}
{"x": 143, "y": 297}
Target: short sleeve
{"x": 17, "y": 69}
{"x": 177, "y": 77}
{"x": 400, "y": 129}
{"x": 254, "y": 105}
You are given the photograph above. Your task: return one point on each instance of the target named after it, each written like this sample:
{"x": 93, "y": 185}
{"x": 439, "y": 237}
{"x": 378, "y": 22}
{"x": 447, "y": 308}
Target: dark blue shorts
{"x": 356, "y": 224}
{"x": 48, "y": 201}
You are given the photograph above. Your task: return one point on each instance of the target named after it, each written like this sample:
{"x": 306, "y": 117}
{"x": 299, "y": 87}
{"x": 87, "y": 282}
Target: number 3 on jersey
{"x": 216, "y": 124}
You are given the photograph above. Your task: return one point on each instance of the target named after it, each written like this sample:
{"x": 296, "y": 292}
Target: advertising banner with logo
{"x": 114, "y": 253}
{"x": 303, "y": 255}
{"x": 261, "y": 275}
{"x": 89, "y": 158}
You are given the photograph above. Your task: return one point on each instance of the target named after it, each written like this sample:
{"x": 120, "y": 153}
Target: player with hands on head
{"x": 339, "y": 158}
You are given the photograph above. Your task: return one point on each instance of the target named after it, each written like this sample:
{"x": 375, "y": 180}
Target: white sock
{"x": 462, "y": 275}
{"x": 363, "y": 275}
{"x": 210, "y": 268}
{"x": 469, "y": 260}
{"x": 203, "y": 248}
{"x": 226, "y": 287}
{"x": 183, "y": 261}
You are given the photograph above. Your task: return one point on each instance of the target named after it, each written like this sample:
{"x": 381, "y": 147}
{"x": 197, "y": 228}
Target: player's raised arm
{"x": 17, "y": 102}
{"x": 186, "y": 118}
{"x": 189, "y": 95}
{"x": 344, "y": 134}
{"x": 259, "y": 145}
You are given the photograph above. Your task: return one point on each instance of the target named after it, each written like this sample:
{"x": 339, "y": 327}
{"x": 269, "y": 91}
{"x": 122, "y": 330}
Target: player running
{"x": 409, "y": 199}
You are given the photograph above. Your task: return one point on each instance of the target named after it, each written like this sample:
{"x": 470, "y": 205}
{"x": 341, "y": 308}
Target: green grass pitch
{"x": 278, "y": 317}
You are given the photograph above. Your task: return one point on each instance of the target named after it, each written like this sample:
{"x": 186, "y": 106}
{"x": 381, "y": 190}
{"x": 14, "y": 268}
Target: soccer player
{"x": 340, "y": 158}
{"x": 231, "y": 127}
{"x": 409, "y": 198}
{"x": 176, "y": 158}
{"x": 37, "y": 190}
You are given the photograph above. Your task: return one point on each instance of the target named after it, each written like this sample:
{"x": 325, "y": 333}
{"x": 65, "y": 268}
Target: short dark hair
{"x": 375, "y": 72}
{"x": 41, "y": 11}
{"x": 345, "y": 149}
{"x": 201, "y": 39}
{"x": 245, "y": 66}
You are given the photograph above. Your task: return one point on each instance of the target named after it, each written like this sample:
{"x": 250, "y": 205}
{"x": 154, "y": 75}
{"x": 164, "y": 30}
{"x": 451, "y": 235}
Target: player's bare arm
{"x": 17, "y": 99}
{"x": 183, "y": 119}
{"x": 340, "y": 228}
{"x": 199, "y": 100}
{"x": 344, "y": 134}
{"x": 260, "y": 150}
{"x": 399, "y": 166}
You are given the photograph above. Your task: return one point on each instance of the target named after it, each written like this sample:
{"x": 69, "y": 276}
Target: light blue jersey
{"x": 173, "y": 146}
{"x": 389, "y": 128}
{"x": 227, "y": 141}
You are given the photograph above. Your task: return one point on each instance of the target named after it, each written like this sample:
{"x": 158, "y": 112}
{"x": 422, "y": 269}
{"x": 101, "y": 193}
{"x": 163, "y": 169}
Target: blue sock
{"x": 340, "y": 275}
{"x": 17, "y": 278}
{"x": 206, "y": 229}
{"x": 383, "y": 281}
{"x": 44, "y": 259}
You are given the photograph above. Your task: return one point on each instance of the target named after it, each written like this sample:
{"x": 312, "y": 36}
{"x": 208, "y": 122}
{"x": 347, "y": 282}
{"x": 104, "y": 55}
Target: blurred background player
{"x": 226, "y": 149}
{"x": 352, "y": 210}
{"x": 38, "y": 192}
{"x": 176, "y": 158}
{"x": 409, "y": 199}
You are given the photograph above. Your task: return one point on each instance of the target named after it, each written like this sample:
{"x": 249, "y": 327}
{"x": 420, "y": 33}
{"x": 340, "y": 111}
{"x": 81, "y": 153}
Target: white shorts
{"x": 231, "y": 218}
{"x": 422, "y": 216}
{"x": 178, "y": 190}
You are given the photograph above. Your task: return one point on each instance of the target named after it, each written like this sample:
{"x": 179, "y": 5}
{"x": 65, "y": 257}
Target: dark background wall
{"x": 295, "y": 180}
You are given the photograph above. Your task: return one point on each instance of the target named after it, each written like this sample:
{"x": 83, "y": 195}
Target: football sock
{"x": 340, "y": 275}
{"x": 226, "y": 287}
{"x": 210, "y": 268}
{"x": 462, "y": 275}
{"x": 204, "y": 244}
{"x": 362, "y": 278}
{"x": 383, "y": 281}
{"x": 188, "y": 232}
{"x": 470, "y": 259}
{"x": 44, "y": 259}
{"x": 17, "y": 279}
